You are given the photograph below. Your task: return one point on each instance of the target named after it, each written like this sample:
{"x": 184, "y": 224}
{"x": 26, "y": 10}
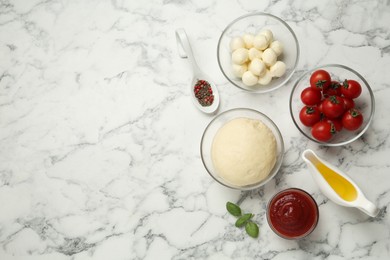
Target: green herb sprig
{"x": 251, "y": 228}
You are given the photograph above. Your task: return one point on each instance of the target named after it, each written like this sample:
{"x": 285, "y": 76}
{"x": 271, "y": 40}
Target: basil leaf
{"x": 252, "y": 229}
{"x": 243, "y": 219}
{"x": 233, "y": 209}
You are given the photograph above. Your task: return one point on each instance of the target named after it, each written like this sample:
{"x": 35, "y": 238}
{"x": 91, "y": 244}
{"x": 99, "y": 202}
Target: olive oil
{"x": 339, "y": 184}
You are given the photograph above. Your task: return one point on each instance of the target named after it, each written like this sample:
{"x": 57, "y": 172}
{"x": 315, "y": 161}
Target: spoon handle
{"x": 185, "y": 50}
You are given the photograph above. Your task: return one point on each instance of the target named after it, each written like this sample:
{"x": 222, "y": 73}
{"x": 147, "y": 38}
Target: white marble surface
{"x": 99, "y": 141}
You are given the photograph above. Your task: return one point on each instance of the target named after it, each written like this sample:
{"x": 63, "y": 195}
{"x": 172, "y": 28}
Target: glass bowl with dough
{"x": 242, "y": 149}
{"x": 258, "y": 52}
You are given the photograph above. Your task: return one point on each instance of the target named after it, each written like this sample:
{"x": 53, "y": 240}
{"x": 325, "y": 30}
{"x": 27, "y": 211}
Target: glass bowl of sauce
{"x": 292, "y": 213}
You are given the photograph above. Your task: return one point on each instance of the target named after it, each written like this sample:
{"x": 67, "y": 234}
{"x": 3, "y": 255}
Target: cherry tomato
{"x": 352, "y": 119}
{"x": 310, "y": 97}
{"x": 320, "y": 106}
{"x": 351, "y": 89}
{"x": 333, "y": 107}
{"x": 320, "y": 80}
{"x": 309, "y": 115}
{"x": 348, "y": 103}
{"x": 338, "y": 124}
{"x": 333, "y": 90}
{"x": 323, "y": 131}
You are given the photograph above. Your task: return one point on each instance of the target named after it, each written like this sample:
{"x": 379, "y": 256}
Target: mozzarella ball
{"x": 260, "y": 42}
{"x": 268, "y": 34}
{"x": 237, "y": 43}
{"x": 254, "y": 53}
{"x": 240, "y": 56}
{"x": 269, "y": 57}
{"x": 278, "y": 69}
{"x": 249, "y": 79}
{"x": 239, "y": 70}
{"x": 248, "y": 40}
{"x": 265, "y": 79}
{"x": 257, "y": 67}
{"x": 277, "y": 47}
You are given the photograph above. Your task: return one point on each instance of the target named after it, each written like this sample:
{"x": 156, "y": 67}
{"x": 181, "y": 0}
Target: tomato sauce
{"x": 292, "y": 213}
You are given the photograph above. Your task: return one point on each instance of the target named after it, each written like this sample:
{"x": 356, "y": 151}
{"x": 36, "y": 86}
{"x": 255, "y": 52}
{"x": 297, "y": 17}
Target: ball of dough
{"x": 240, "y": 56}
{"x": 278, "y": 69}
{"x": 265, "y": 79}
{"x": 249, "y": 79}
{"x": 239, "y": 70}
{"x": 237, "y": 43}
{"x": 267, "y": 33}
{"x": 254, "y": 53}
{"x": 277, "y": 47}
{"x": 248, "y": 40}
{"x": 260, "y": 42}
{"x": 269, "y": 57}
{"x": 257, "y": 67}
{"x": 243, "y": 151}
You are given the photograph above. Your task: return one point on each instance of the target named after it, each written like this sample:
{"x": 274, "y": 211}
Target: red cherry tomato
{"x": 320, "y": 106}
{"x": 338, "y": 124}
{"x": 310, "y": 97}
{"x": 351, "y": 89}
{"x": 309, "y": 115}
{"x": 323, "y": 131}
{"x": 320, "y": 80}
{"x": 352, "y": 119}
{"x": 333, "y": 107}
{"x": 333, "y": 90}
{"x": 348, "y": 103}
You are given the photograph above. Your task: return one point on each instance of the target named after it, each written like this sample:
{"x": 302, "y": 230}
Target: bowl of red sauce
{"x": 292, "y": 213}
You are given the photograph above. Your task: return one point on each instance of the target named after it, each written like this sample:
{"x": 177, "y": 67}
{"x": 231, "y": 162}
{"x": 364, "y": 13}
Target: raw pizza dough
{"x": 244, "y": 151}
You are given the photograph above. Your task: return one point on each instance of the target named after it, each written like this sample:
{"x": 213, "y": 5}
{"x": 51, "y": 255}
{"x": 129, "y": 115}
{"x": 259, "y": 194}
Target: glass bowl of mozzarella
{"x": 258, "y": 52}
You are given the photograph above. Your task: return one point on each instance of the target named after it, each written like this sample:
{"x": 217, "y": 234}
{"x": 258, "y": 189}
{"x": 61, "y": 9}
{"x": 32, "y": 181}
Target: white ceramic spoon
{"x": 185, "y": 51}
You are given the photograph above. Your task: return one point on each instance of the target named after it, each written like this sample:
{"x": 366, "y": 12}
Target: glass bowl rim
{"x": 258, "y": 91}
{"x": 274, "y": 170}
{"x": 372, "y": 99}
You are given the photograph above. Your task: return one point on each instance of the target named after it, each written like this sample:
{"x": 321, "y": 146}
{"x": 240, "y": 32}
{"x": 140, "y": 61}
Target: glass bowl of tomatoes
{"x": 332, "y": 105}
{"x": 258, "y": 52}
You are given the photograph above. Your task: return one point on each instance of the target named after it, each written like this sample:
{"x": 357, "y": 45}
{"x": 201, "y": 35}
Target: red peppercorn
{"x": 204, "y": 93}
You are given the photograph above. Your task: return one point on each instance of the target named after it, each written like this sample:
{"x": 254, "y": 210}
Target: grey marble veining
{"x": 99, "y": 140}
